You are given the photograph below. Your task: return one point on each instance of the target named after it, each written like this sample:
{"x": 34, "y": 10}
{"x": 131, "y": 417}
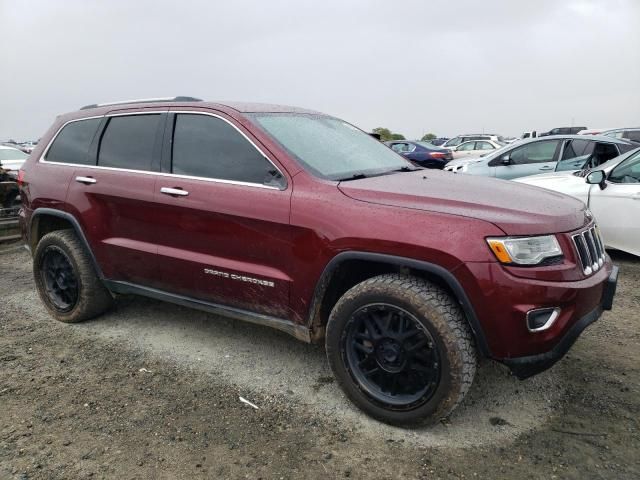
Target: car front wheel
{"x": 401, "y": 349}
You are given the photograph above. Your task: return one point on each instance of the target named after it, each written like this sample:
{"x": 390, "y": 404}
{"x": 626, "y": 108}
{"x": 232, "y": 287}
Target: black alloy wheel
{"x": 59, "y": 278}
{"x": 391, "y": 356}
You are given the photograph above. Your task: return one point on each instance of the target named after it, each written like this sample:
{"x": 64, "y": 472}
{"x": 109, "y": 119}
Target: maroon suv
{"x": 300, "y": 221}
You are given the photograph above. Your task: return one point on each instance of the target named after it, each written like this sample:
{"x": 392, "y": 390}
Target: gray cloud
{"x": 413, "y": 66}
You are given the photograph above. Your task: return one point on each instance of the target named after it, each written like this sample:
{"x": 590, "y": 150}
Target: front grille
{"x": 590, "y": 250}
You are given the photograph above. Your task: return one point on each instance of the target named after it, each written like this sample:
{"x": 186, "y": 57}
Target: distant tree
{"x": 427, "y": 137}
{"x": 386, "y": 134}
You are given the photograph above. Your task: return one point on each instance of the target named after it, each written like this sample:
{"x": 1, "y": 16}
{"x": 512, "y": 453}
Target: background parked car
{"x": 632, "y": 134}
{"x": 475, "y": 148}
{"x": 540, "y": 155}
{"x": 423, "y": 154}
{"x": 455, "y": 141}
{"x": 11, "y": 158}
{"x": 612, "y": 192}
{"x": 562, "y": 131}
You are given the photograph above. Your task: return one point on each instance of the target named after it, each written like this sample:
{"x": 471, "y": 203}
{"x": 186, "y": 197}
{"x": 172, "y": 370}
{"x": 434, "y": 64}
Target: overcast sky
{"x": 412, "y": 66}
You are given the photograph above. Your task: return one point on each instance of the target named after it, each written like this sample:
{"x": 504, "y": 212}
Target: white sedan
{"x": 475, "y": 148}
{"x": 612, "y": 193}
{"x": 11, "y": 159}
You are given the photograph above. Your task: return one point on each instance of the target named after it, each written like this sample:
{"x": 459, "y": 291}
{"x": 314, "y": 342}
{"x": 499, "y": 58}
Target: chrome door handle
{"x": 174, "y": 191}
{"x": 546, "y": 168}
{"x": 86, "y": 180}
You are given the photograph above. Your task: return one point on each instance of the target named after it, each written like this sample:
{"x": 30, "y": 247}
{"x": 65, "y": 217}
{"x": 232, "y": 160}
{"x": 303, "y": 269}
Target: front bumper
{"x": 524, "y": 367}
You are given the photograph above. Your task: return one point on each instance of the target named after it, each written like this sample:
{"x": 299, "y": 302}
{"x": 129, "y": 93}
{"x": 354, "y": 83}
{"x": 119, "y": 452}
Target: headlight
{"x": 524, "y": 250}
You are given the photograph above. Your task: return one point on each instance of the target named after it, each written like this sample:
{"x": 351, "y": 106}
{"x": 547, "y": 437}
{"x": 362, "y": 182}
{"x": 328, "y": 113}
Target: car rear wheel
{"x": 401, "y": 349}
{"x": 66, "y": 279}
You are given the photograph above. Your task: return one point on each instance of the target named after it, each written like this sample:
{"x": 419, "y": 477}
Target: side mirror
{"x": 597, "y": 178}
{"x": 506, "y": 160}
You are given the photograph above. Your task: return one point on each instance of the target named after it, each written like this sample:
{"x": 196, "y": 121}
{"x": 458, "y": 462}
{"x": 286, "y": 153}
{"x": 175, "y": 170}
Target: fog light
{"x": 541, "y": 319}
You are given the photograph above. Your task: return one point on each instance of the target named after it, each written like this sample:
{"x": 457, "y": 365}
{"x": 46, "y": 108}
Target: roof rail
{"x": 144, "y": 100}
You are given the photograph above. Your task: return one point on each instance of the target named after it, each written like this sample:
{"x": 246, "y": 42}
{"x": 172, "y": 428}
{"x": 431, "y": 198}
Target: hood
{"x": 515, "y": 208}
{"x": 548, "y": 180}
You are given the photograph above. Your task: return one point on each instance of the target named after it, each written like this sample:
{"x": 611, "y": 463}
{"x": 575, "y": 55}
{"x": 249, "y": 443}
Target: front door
{"x": 223, "y": 217}
{"x": 617, "y": 207}
{"x": 529, "y": 159}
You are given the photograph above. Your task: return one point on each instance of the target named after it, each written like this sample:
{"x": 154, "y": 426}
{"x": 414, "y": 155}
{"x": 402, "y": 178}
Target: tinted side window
{"x": 206, "y": 146}
{"x": 128, "y": 142}
{"x": 73, "y": 142}
{"x": 538, "y": 152}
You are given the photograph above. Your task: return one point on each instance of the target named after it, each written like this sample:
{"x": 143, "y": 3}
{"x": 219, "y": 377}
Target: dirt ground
{"x": 151, "y": 390}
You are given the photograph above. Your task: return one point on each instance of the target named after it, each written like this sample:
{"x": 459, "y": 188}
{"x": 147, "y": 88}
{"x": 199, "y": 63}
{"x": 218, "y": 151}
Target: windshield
{"x": 453, "y": 142}
{"x": 328, "y": 147}
{"x": 12, "y": 154}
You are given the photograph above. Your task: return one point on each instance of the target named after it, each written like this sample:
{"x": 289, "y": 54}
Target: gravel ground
{"x": 151, "y": 390}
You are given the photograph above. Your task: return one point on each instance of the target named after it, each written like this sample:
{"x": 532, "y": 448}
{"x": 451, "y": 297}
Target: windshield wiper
{"x": 355, "y": 176}
{"x": 406, "y": 169}
{"x": 360, "y": 175}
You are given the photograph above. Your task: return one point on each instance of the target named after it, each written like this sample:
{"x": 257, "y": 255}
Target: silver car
{"x": 541, "y": 155}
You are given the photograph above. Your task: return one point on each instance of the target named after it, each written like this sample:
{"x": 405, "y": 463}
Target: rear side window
{"x": 484, "y": 146}
{"x": 206, "y": 146}
{"x": 72, "y": 143}
{"x": 128, "y": 142}
{"x": 574, "y": 148}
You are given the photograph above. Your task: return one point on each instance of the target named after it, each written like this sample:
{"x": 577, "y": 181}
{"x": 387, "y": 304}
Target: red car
{"x": 297, "y": 220}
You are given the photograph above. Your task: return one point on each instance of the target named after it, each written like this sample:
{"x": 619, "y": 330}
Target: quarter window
{"x": 128, "y": 142}
{"x": 72, "y": 143}
{"x": 206, "y": 146}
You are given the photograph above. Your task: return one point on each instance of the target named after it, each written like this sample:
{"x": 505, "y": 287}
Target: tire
{"x": 397, "y": 333}
{"x": 66, "y": 281}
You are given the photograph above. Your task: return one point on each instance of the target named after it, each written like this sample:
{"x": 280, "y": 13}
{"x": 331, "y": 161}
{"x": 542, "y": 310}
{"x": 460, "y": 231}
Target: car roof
{"x": 182, "y": 101}
{"x": 599, "y": 138}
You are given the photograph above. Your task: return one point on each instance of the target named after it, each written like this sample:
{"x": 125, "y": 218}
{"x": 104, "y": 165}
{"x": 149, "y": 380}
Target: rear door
{"x": 222, "y": 221}
{"x": 113, "y": 197}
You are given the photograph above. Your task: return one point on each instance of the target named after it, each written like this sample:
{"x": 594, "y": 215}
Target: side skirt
{"x": 298, "y": 331}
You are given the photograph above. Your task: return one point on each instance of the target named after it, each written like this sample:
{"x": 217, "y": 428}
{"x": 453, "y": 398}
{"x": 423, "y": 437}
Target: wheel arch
{"x": 347, "y": 269}
{"x": 45, "y": 220}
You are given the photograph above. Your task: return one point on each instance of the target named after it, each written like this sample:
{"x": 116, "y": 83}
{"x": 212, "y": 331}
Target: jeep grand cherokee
{"x": 300, "y": 221}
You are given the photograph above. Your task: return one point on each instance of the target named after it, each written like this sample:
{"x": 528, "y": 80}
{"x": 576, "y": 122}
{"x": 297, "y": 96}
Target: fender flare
{"x": 76, "y": 226}
{"x": 445, "y": 275}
